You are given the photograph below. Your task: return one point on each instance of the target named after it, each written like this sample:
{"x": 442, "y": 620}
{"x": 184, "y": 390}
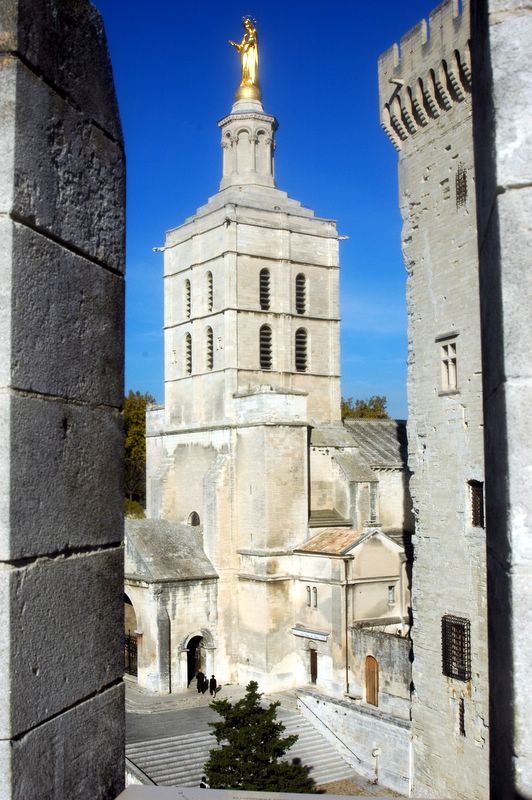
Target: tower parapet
{"x": 427, "y": 73}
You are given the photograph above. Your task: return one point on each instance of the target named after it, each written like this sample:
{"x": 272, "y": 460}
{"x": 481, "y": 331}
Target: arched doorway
{"x": 130, "y": 638}
{"x": 372, "y": 681}
{"x": 195, "y": 657}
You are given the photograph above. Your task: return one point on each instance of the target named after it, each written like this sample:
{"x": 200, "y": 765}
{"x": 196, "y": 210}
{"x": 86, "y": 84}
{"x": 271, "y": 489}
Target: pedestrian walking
{"x": 212, "y": 685}
{"x": 200, "y": 678}
{"x": 205, "y": 684}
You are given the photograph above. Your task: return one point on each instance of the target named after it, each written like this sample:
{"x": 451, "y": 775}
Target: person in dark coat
{"x": 200, "y": 677}
{"x": 205, "y": 684}
{"x": 212, "y": 685}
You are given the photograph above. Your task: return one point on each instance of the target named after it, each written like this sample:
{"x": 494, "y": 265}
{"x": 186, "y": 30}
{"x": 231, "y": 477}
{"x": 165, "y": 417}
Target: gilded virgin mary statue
{"x": 248, "y": 48}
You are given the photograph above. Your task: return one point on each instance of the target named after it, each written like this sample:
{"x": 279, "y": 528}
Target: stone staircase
{"x": 179, "y": 760}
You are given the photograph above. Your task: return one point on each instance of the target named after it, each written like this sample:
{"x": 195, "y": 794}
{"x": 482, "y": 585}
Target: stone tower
{"x": 251, "y": 359}
{"x": 425, "y": 101}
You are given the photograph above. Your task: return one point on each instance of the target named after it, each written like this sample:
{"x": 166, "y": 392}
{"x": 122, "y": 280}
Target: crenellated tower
{"x": 425, "y": 104}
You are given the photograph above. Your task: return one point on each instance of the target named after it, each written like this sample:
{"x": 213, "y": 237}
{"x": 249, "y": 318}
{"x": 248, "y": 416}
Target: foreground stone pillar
{"x": 61, "y": 385}
{"x": 502, "y": 99}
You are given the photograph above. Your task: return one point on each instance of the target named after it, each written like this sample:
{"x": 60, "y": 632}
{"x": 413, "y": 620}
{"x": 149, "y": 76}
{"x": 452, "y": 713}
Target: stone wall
{"x": 425, "y": 95}
{"x": 61, "y": 373}
{"x": 377, "y": 745}
{"x": 502, "y": 98}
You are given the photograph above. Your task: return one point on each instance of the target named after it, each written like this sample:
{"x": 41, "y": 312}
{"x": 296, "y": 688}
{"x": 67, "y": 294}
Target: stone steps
{"x": 179, "y": 760}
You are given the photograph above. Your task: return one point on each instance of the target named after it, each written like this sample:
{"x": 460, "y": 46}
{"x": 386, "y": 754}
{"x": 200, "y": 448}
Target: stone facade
{"x": 425, "y": 100}
{"x": 61, "y": 312}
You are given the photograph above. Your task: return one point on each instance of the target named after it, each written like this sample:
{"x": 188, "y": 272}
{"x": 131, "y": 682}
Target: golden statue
{"x": 248, "y": 48}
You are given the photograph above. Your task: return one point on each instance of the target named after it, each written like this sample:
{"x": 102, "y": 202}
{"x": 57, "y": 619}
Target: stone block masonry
{"x": 61, "y": 388}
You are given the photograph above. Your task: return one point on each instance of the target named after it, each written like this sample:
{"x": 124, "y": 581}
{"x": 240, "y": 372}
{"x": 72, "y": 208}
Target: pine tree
{"x": 252, "y": 745}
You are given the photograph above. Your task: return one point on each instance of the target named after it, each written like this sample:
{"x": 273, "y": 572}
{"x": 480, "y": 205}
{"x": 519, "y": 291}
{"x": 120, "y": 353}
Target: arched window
{"x": 301, "y": 350}
{"x": 264, "y": 289}
{"x": 301, "y": 293}
{"x": 265, "y": 347}
{"x": 187, "y": 299}
{"x": 372, "y": 681}
{"x": 188, "y": 354}
{"x": 210, "y": 349}
{"x": 194, "y": 519}
{"x": 209, "y": 292}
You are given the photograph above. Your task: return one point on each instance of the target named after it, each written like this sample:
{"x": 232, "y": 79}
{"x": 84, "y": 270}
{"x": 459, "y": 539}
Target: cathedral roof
{"x": 161, "y": 551}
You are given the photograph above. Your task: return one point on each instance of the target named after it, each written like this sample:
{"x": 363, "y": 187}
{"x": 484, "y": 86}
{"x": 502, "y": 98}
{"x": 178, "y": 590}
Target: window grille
{"x": 210, "y": 349}
{"x": 449, "y": 374}
{"x": 265, "y": 347}
{"x": 456, "y": 647}
{"x": 209, "y": 292}
{"x": 301, "y": 350}
{"x": 461, "y": 185}
{"x": 315, "y": 597}
{"x": 476, "y": 495}
{"x": 264, "y": 289}
{"x": 187, "y": 299}
{"x": 188, "y": 354}
{"x": 301, "y": 293}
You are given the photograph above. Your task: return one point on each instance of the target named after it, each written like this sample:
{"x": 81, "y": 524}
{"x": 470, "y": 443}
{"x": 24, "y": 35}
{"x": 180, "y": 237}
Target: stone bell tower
{"x": 251, "y": 359}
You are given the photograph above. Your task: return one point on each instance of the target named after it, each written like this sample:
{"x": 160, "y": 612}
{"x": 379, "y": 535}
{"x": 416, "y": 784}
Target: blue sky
{"x": 176, "y": 75}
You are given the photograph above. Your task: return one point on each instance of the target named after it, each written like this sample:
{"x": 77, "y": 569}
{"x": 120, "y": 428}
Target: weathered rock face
{"x": 502, "y": 97}
{"x": 61, "y": 379}
{"x": 425, "y": 96}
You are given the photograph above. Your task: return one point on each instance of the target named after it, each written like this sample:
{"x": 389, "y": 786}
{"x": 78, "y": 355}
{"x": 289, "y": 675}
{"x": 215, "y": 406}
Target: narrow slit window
{"x": 301, "y": 293}
{"x": 308, "y": 596}
{"x": 461, "y": 717}
{"x": 449, "y": 373}
{"x": 476, "y": 496}
{"x": 301, "y": 350}
{"x": 314, "y": 597}
{"x": 264, "y": 289}
{"x": 391, "y": 595}
{"x": 265, "y": 345}
{"x": 188, "y": 354}
{"x": 209, "y": 292}
{"x": 456, "y": 647}
{"x": 187, "y": 299}
{"x": 210, "y": 349}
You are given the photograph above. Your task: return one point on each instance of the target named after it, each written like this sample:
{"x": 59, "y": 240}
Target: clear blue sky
{"x": 176, "y": 75}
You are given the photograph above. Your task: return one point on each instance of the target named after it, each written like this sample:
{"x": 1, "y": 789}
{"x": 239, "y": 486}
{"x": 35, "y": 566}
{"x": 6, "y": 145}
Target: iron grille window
{"x": 210, "y": 349}
{"x": 209, "y": 292}
{"x": 301, "y": 350}
{"x": 301, "y": 293}
{"x": 187, "y": 299}
{"x": 130, "y": 653}
{"x": 456, "y": 647}
{"x": 476, "y": 494}
{"x": 188, "y": 354}
{"x": 461, "y": 185}
{"x": 265, "y": 343}
{"x": 264, "y": 289}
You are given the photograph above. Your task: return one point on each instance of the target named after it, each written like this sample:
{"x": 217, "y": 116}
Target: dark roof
{"x": 382, "y": 442}
{"x": 161, "y": 551}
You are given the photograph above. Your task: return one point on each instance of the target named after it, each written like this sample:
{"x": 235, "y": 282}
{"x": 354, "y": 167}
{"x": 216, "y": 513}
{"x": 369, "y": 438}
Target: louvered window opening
{"x": 264, "y": 289}
{"x": 265, "y": 347}
{"x": 301, "y": 294}
{"x": 210, "y": 349}
{"x": 209, "y": 292}
{"x": 301, "y": 350}
{"x": 187, "y": 299}
{"x": 456, "y": 647}
{"x": 476, "y": 493}
{"x": 188, "y": 354}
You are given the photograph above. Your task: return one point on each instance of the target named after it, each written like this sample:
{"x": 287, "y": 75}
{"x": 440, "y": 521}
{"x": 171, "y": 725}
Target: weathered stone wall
{"x": 377, "y": 745}
{"x": 392, "y": 654}
{"x": 425, "y": 95}
{"x": 61, "y": 336}
{"x": 502, "y": 98}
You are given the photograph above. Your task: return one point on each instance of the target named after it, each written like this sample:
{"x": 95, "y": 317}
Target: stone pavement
{"x": 168, "y": 738}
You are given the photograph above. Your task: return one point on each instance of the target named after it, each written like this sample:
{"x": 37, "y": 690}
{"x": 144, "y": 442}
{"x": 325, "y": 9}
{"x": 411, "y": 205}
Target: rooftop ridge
{"x": 427, "y": 73}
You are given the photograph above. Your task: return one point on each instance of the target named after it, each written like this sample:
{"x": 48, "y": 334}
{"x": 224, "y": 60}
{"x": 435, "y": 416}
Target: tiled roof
{"x": 382, "y": 442}
{"x": 335, "y": 541}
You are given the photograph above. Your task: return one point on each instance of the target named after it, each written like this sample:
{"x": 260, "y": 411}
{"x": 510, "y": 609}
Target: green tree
{"x": 252, "y": 746}
{"x": 135, "y": 444}
{"x": 374, "y": 408}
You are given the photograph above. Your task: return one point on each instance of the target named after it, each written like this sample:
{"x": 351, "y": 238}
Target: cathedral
{"x": 277, "y": 536}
